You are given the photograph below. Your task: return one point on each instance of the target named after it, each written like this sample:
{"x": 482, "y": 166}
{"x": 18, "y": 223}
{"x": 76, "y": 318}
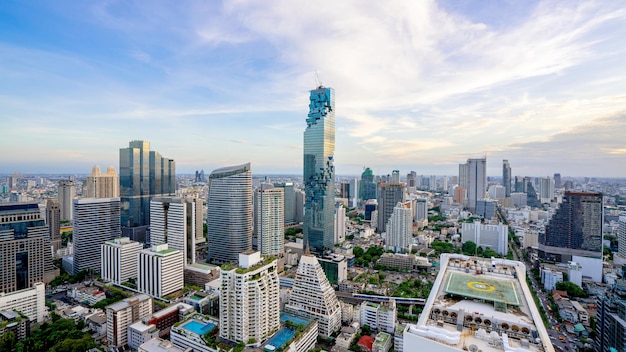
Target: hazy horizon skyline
{"x": 419, "y": 86}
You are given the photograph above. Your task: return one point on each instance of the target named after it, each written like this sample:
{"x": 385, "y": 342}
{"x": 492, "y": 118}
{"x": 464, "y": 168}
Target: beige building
{"x": 99, "y": 185}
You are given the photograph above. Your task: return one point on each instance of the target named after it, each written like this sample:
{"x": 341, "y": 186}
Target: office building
{"x": 497, "y": 192}
{"x": 319, "y": 170}
{"x": 473, "y": 177}
{"x": 119, "y": 258}
{"x": 249, "y": 299}
{"x": 354, "y": 193}
{"x": 380, "y": 317}
{"x": 99, "y": 185}
{"x": 549, "y": 278}
{"x": 389, "y": 195}
{"x": 395, "y": 176}
{"x": 340, "y": 223}
{"x": 300, "y": 196}
{"x": 66, "y": 193}
{"x": 335, "y": 268}
{"x": 557, "y": 181}
{"x": 312, "y": 297}
{"x": 53, "y": 218}
{"x": 269, "y": 222}
{"x": 519, "y": 184}
{"x": 96, "y": 220}
{"x": 506, "y": 178}
{"x": 229, "y": 214}
{"x": 520, "y": 199}
{"x": 575, "y": 229}
{"x": 289, "y": 197}
{"x": 143, "y": 175}
{"x": 486, "y": 208}
{"x": 368, "y": 186}
{"x": 621, "y": 236}
{"x": 400, "y": 229}
{"x": 575, "y": 273}
{"x": 25, "y": 255}
{"x": 122, "y": 314}
{"x": 487, "y": 236}
{"x": 177, "y": 222}
{"x": 161, "y": 270}
{"x": 611, "y": 319}
{"x": 421, "y": 210}
{"x": 29, "y": 301}
{"x": 478, "y": 304}
{"x": 546, "y": 189}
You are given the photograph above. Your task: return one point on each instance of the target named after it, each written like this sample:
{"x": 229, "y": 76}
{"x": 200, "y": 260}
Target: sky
{"x": 419, "y": 85}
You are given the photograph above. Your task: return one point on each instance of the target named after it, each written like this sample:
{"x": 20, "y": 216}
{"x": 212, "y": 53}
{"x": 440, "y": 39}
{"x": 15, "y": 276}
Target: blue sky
{"x": 420, "y": 85}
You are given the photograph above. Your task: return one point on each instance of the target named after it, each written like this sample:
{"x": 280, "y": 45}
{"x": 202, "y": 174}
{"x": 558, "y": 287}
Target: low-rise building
{"x": 550, "y": 277}
{"x": 379, "y": 316}
{"x": 122, "y": 314}
{"x": 382, "y": 343}
{"x": 89, "y": 295}
{"x": 29, "y": 301}
{"x": 139, "y": 333}
{"x": 160, "y": 345}
{"x": 397, "y": 261}
{"x": 193, "y": 332}
{"x": 16, "y": 322}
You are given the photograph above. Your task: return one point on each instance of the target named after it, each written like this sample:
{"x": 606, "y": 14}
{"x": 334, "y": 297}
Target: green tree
{"x": 7, "y": 341}
{"x": 469, "y": 248}
{"x": 358, "y": 251}
{"x": 572, "y": 289}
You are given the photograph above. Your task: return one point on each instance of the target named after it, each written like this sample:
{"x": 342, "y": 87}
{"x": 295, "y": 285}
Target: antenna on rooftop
{"x": 318, "y": 82}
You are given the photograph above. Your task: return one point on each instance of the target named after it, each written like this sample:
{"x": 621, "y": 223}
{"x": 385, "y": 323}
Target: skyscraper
{"x": 546, "y": 189}
{"x": 367, "y": 186}
{"x": 269, "y": 223}
{"x": 340, "y": 223}
{"x": 473, "y": 176}
{"x": 400, "y": 229}
{"x": 53, "y": 218}
{"x": 96, "y": 220}
{"x": 319, "y": 172}
{"x": 229, "y": 213}
{"x": 389, "y": 195}
{"x": 289, "y": 196}
{"x": 557, "y": 180}
{"x": 100, "y": 185}
{"x": 24, "y": 246}
{"x": 312, "y": 297}
{"x": 249, "y": 299}
{"x": 143, "y": 174}
{"x": 506, "y": 177}
{"x": 66, "y": 193}
{"x": 173, "y": 221}
{"x": 575, "y": 229}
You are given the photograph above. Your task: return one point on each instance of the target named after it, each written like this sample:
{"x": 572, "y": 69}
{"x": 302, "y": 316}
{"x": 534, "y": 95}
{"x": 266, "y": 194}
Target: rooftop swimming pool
{"x": 198, "y": 327}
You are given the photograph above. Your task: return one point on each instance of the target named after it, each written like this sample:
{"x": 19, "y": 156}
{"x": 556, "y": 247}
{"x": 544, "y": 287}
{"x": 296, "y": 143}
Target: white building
{"x": 173, "y": 221}
{"x": 189, "y": 334}
{"x": 575, "y": 273}
{"x": 29, "y": 301}
{"x": 520, "y": 199}
{"x": 119, "y": 258}
{"x": 621, "y": 236}
{"x": 99, "y": 185}
{"x": 96, "y": 220}
{"x": 269, "y": 219}
{"x": 340, "y": 223}
{"x": 400, "y": 228}
{"x": 546, "y": 189}
{"x": 495, "y": 237}
{"x": 162, "y": 271}
{"x": 249, "y": 299}
{"x": 478, "y": 304}
{"x": 379, "y": 316}
{"x": 139, "y": 333}
{"x": 497, "y": 192}
{"x": 122, "y": 314}
{"x": 312, "y": 297}
{"x": 159, "y": 345}
{"x": 549, "y": 278}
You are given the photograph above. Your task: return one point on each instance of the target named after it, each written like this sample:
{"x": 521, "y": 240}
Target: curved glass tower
{"x": 229, "y": 213}
{"x": 319, "y": 172}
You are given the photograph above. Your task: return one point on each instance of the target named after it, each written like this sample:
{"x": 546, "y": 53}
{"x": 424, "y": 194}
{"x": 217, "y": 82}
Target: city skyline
{"x": 419, "y": 86}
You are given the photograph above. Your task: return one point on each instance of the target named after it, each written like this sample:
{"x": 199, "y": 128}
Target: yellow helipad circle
{"x": 480, "y": 286}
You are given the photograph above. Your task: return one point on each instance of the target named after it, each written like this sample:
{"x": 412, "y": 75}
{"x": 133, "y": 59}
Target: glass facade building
{"x": 319, "y": 170}
{"x": 229, "y": 213}
{"x": 143, "y": 174}
{"x": 368, "y": 186}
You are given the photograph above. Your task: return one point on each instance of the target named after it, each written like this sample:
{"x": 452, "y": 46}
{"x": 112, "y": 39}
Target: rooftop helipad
{"x": 483, "y": 287}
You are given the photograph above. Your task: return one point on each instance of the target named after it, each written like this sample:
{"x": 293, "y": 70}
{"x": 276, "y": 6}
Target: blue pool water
{"x": 280, "y": 339}
{"x": 198, "y": 327}
{"x": 294, "y": 320}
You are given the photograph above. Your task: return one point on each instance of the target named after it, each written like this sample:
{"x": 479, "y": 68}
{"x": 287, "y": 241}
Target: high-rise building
{"x": 400, "y": 228}
{"x": 340, "y": 223}
{"x": 119, "y": 259}
{"x": 520, "y": 199}
{"x": 162, "y": 270}
{"x": 367, "y": 186}
{"x": 143, "y": 175}
{"x": 575, "y": 229}
{"x": 476, "y": 181}
{"x": 410, "y": 181}
{"x": 312, "y": 297}
{"x": 289, "y": 196}
{"x": 519, "y": 184}
{"x": 100, "y": 185}
{"x": 621, "y": 236}
{"x": 506, "y": 178}
{"x": 174, "y": 221}
{"x": 269, "y": 222}
{"x": 96, "y": 220}
{"x": 421, "y": 209}
{"x": 53, "y": 218}
{"x": 66, "y": 193}
{"x": 486, "y": 208}
{"x": 389, "y": 195}
{"x": 299, "y": 204}
{"x": 497, "y": 192}
{"x": 354, "y": 192}
{"x": 432, "y": 184}
{"x": 24, "y": 246}
{"x": 122, "y": 314}
{"x": 487, "y": 236}
{"x": 319, "y": 170}
{"x": 395, "y": 176}
{"x": 546, "y": 189}
{"x": 557, "y": 180}
{"x": 475, "y": 304}
{"x": 229, "y": 214}
{"x": 249, "y": 299}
